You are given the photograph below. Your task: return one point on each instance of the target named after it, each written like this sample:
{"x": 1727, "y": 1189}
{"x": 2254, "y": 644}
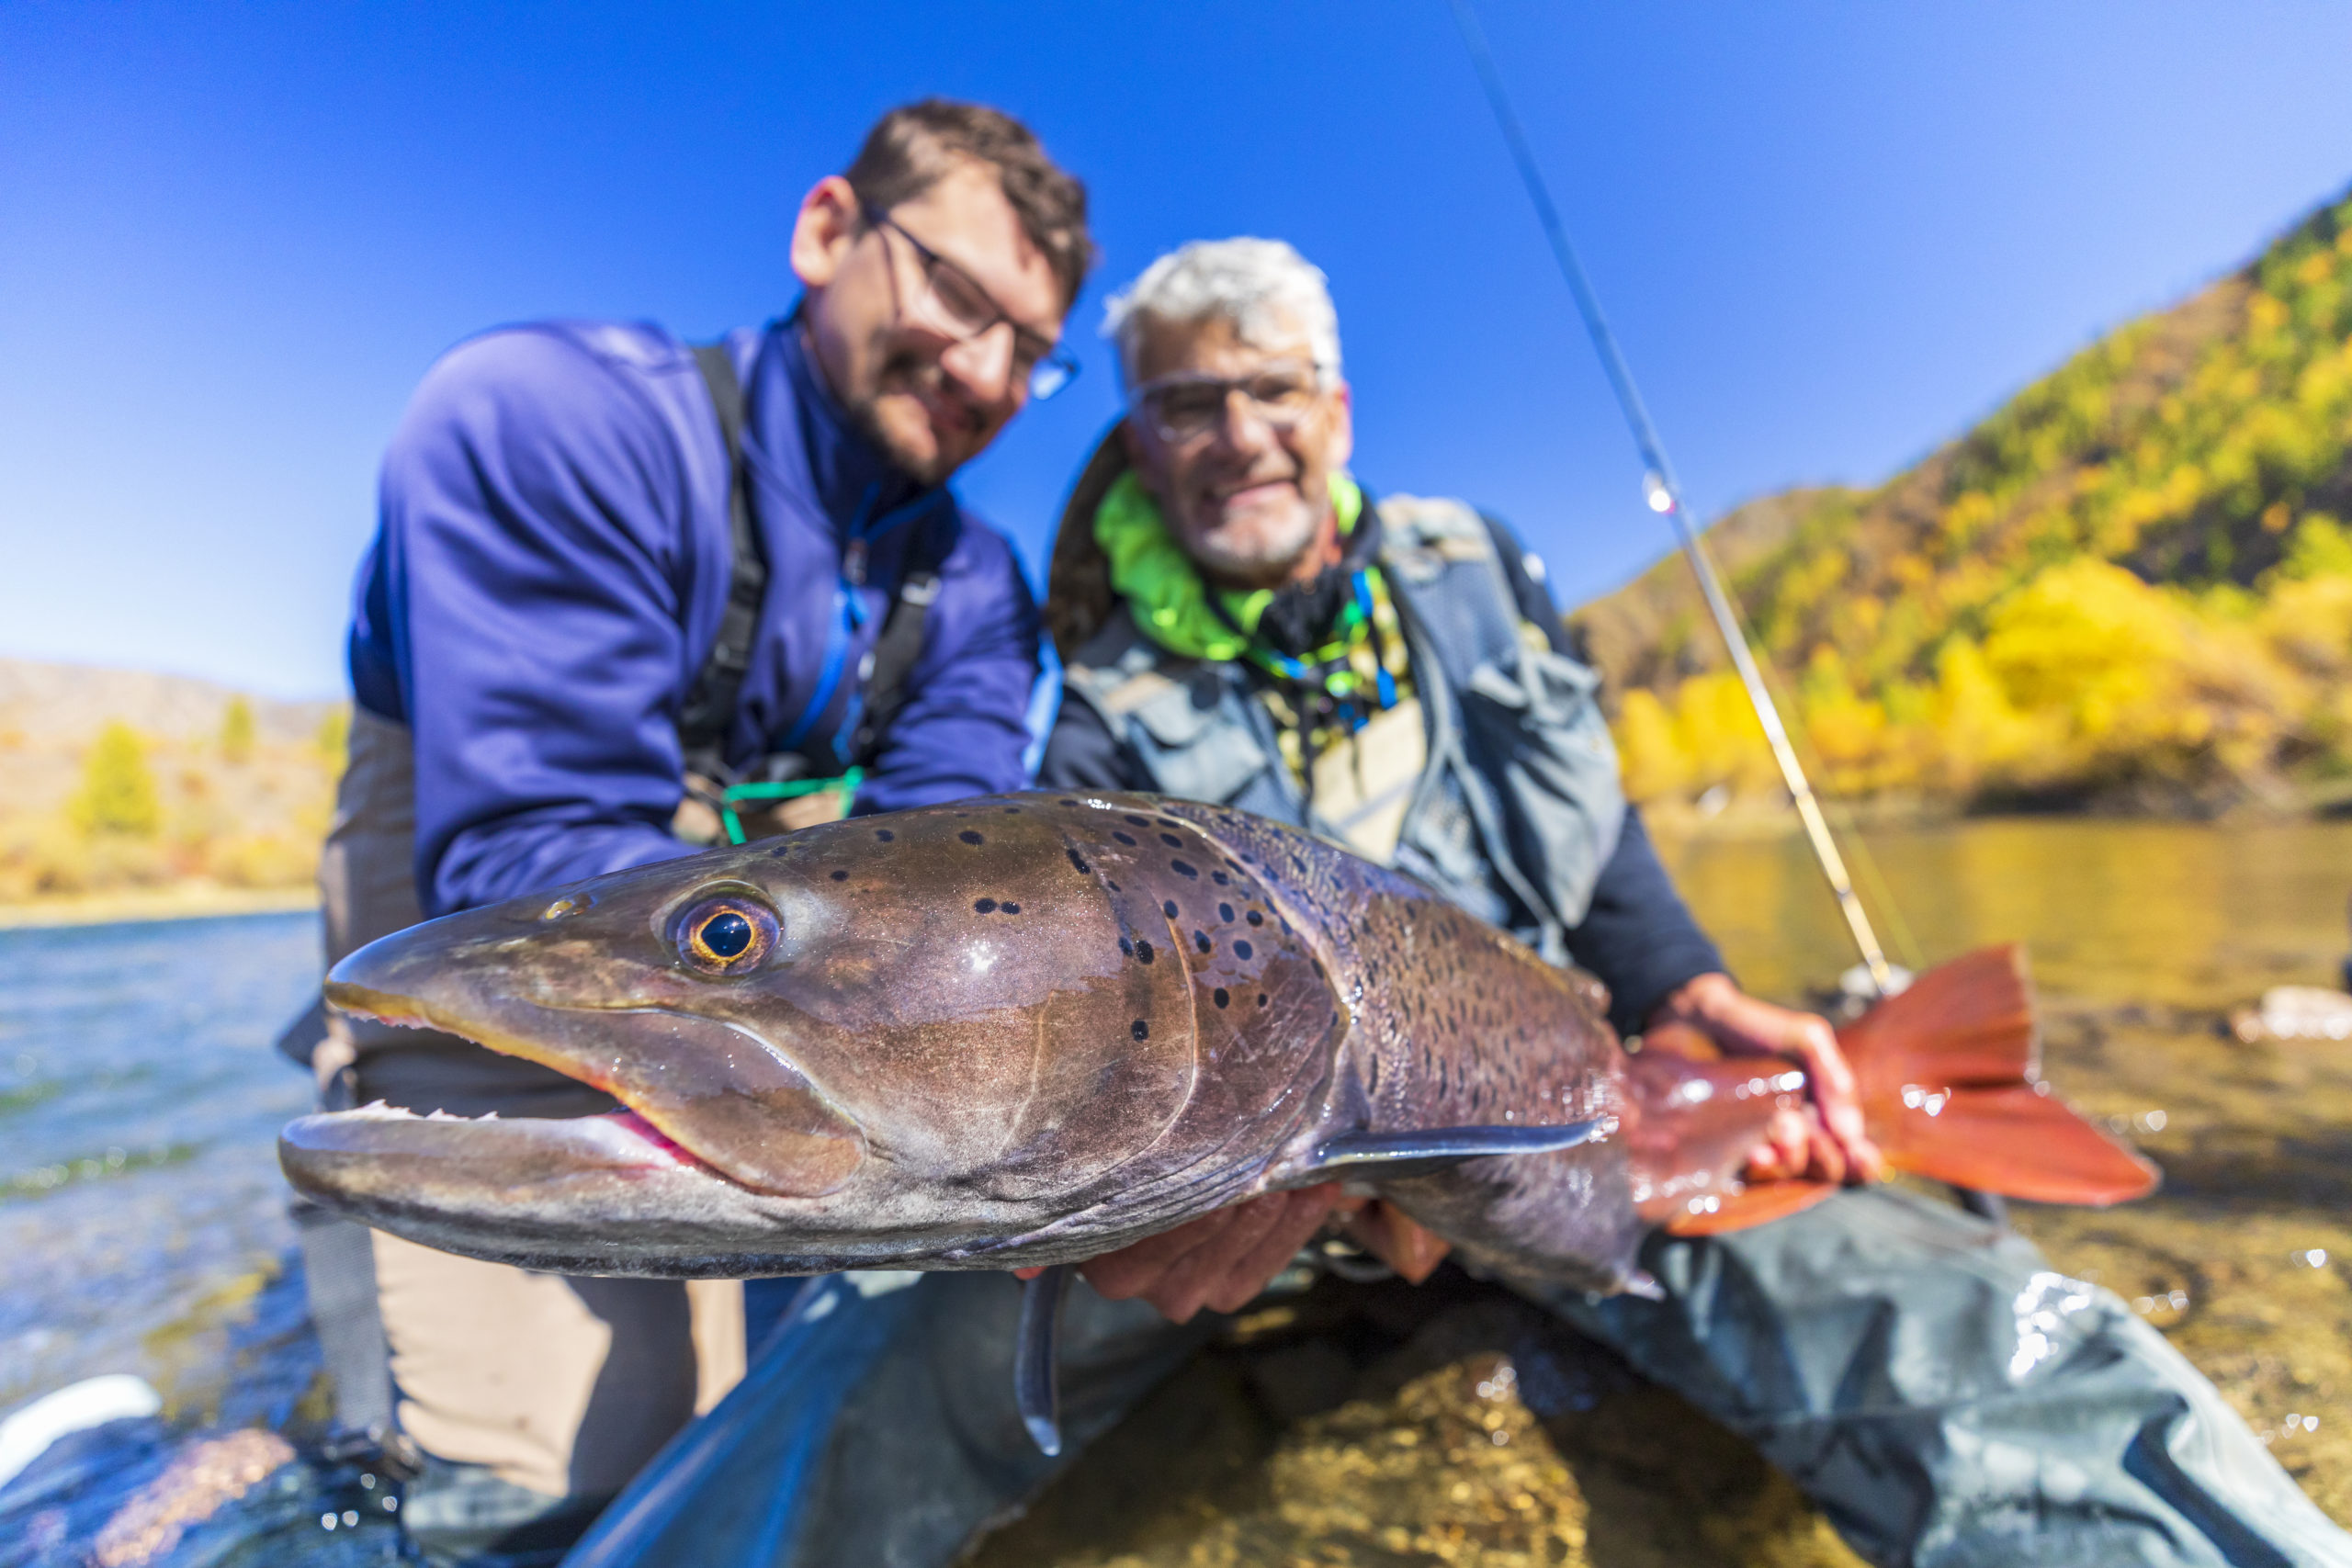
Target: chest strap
{"x": 708, "y": 712}
{"x": 710, "y": 708}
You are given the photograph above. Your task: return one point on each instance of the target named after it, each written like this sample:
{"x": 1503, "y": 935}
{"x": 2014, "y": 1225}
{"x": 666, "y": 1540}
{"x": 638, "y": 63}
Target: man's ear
{"x": 1133, "y": 445}
{"x": 828, "y": 224}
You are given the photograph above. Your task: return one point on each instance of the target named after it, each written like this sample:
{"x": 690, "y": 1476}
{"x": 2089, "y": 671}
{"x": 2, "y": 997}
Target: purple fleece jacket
{"x": 548, "y": 575}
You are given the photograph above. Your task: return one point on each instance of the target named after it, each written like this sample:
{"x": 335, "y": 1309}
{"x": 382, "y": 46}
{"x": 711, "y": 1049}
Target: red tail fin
{"x": 1949, "y": 1076}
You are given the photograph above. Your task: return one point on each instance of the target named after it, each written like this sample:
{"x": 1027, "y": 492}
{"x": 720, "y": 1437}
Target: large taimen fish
{"x": 1030, "y": 1028}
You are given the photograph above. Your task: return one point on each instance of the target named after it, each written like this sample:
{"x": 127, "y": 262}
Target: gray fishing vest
{"x": 1519, "y": 804}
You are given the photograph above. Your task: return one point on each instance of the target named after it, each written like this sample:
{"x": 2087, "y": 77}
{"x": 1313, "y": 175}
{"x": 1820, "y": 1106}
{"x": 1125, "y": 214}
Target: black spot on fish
{"x": 971, "y": 837}
{"x": 1111, "y": 884}
{"x": 1172, "y": 841}
{"x": 1143, "y": 951}
{"x": 1166, "y": 823}
{"x": 1009, "y": 909}
{"x": 1140, "y": 1029}
{"x": 1013, "y": 811}
{"x": 1079, "y": 861}
{"x": 1127, "y": 838}
{"x": 1255, "y": 919}
{"x": 1241, "y": 950}
{"x": 1126, "y": 947}
{"x": 1285, "y": 925}
{"x": 1200, "y": 940}
{"x": 1180, "y": 869}
{"x": 1225, "y": 911}
{"x": 984, "y": 906}
{"x": 1138, "y": 821}
{"x": 840, "y": 877}
{"x": 883, "y": 834}
{"x": 1221, "y": 996}
{"x": 1262, "y": 998}
{"x": 1220, "y": 879}
{"x": 1167, "y": 908}
{"x": 1066, "y": 802}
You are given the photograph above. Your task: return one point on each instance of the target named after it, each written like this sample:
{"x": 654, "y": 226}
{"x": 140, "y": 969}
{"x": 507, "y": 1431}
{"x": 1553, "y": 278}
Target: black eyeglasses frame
{"x": 1052, "y": 367}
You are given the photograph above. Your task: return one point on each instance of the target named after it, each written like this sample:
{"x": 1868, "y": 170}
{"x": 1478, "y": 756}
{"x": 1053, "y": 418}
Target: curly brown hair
{"x": 913, "y": 147}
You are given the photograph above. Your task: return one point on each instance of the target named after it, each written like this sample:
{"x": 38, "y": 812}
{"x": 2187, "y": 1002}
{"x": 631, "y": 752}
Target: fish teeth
{"x": 376, "y": 1109}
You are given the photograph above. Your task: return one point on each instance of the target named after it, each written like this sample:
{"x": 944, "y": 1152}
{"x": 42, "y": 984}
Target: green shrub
{"x": 117, "y": 793}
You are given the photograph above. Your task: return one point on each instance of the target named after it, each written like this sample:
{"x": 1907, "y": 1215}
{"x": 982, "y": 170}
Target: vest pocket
{"x": 1539, "y": 733}
{"x": 1193, "y": 752}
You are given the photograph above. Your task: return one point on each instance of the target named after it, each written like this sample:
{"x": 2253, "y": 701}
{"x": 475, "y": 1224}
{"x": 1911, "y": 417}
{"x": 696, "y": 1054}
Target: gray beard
{"x": 1264, "y": 567}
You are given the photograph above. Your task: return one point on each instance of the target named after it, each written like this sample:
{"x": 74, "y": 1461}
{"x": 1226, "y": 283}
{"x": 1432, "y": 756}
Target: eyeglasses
{"x": 961, "y": 308}
{"x": 1185, "y": 407}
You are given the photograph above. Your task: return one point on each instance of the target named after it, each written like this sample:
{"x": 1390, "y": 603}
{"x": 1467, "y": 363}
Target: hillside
{"x": 117, "y": 783}
{"x": 2128, "y": 588}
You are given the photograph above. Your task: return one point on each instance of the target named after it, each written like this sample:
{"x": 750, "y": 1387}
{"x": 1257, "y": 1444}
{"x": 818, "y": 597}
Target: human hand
{"x": 1221, "y": 1260}
{"x": 1831, "y": 1146}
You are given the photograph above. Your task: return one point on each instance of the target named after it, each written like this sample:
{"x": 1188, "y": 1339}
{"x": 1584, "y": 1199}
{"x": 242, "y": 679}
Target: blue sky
{"x": 232, "y": 236}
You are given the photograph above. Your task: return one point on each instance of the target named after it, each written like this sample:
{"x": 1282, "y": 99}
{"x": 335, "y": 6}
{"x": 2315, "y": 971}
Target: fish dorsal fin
{"x": 1374, "y": 1156}
{"x": 1036, "y": 1382}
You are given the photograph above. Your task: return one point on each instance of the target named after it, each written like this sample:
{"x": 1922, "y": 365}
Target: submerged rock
{"x": 1376, "y": 1425}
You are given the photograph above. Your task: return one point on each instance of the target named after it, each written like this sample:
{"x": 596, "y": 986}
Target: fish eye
{"x": 725, "y": 935}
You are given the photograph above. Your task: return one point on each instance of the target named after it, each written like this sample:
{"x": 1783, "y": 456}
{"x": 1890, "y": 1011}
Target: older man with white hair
{"x": 1240, "y": 622}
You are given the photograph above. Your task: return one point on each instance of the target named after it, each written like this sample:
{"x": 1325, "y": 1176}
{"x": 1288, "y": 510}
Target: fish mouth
{"x": 607, "y": 1194}
{"x": 699, "y": 1093}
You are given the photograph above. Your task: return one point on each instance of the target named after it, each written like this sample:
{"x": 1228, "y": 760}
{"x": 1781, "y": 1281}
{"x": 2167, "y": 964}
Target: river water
{"x": 142, "y": 1226}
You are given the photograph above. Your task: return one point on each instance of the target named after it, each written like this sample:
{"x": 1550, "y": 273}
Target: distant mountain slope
{"x": 2132, "y": 584}
{"x": 45, "y": 702}
{"x": 113, "y": 780}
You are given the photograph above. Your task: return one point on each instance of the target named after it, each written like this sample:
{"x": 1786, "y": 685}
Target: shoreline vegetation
{"x": 129, "y": 796}
{"x": 2126, "y": 593}
{"x": 190, "y": 901}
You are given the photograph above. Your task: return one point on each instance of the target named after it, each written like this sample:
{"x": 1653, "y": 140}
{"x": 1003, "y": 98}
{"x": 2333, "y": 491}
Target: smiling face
{"x": 1246, "y": 495}
{"x": 898, "y": 357}
{"x": 878, "y": 1039}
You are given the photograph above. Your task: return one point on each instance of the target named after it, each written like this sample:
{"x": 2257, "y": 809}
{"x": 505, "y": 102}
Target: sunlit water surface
{"x": 142, "y": 1229}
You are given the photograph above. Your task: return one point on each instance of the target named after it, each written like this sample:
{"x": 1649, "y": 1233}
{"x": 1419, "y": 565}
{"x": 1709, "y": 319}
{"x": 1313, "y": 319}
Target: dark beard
{"x": 901, "y": 371}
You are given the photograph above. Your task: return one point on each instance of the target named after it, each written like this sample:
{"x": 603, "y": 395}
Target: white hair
{"x": 1263, "y": 287}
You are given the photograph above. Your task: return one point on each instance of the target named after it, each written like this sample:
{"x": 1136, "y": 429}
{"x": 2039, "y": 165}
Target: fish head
{"x": 877, "y": 1039}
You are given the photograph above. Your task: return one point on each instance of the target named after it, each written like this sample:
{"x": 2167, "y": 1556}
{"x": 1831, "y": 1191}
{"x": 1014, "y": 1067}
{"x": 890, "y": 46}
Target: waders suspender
{"x": 709, "y": 707}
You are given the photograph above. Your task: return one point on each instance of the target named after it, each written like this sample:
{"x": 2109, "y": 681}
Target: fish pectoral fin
{"x": 1376, "y": 1156}
{"x": 1036, "y": 1386}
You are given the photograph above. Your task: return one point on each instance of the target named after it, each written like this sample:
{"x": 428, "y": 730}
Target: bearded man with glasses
{"x": 629, "y": 596}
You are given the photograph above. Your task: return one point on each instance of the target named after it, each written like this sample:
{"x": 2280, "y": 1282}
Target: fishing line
{"x": 1664, "y": 494}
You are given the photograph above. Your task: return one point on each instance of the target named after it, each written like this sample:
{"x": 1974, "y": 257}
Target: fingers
{"x": 1825, "y": 1155}
{"x": 1220, "y": 1260}
{"x": 1137, "y": 1269}
{"x": 1839, "y": 1146}
{"x": 1784, "y": 1154}
{"x": 1249, "y": 1273}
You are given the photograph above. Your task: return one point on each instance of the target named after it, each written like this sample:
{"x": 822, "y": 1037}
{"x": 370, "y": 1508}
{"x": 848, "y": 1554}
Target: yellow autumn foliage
{"x": 2131, "y": 582}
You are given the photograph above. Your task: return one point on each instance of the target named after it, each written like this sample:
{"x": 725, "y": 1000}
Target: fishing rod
{"x": 1664, "y": 494}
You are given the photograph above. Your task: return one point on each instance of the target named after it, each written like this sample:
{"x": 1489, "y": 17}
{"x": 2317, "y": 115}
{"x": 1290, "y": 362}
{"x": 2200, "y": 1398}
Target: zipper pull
{"x": 854, "y": 563}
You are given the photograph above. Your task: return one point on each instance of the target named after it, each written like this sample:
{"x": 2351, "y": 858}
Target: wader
{"x": 524, "y": 1401}
{"x": 1922, "y": 1375}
